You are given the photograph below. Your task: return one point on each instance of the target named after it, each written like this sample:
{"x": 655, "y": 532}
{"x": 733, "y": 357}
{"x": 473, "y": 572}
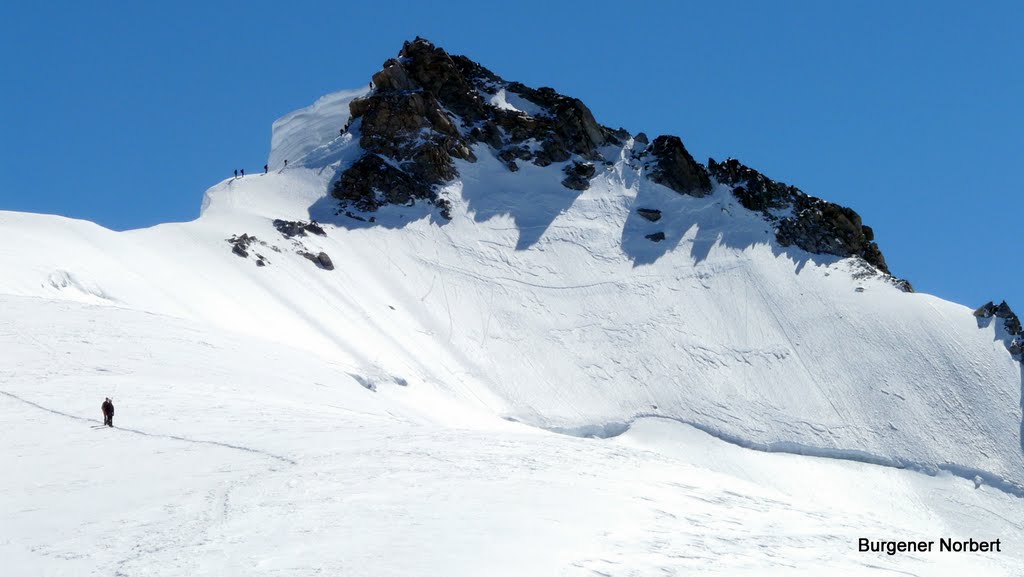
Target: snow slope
{"x": 238, "y": 456}
{"x": 534, "y": 304}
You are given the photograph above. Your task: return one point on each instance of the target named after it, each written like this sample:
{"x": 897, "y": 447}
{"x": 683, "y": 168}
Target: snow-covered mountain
{"x": 379, "y": 358}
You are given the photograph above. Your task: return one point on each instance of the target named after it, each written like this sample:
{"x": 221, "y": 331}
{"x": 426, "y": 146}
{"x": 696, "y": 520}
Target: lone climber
{"x": 108, "y": 412}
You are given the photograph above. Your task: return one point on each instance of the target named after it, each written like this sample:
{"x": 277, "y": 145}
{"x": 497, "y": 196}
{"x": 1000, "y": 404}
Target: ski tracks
{"x": 155, "y": 435}
{"x": 195, "y": 531}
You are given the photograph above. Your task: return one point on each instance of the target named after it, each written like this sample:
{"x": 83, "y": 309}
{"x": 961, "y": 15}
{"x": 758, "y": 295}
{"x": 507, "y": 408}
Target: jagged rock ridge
{"x": 1011, "y": 324}
{"x": 428, "y": 108}
{"x": 810, "y": 223}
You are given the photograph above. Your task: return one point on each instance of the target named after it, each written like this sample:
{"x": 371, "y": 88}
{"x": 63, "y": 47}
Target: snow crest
{"x": 299, "y": 133}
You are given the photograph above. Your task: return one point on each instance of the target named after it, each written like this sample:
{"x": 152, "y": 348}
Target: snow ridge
{"x": 614, "y": 429}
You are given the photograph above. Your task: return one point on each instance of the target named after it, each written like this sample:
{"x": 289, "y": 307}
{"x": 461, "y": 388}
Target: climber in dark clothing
{"x": 265, "y": 167}
{"x": 243, "y": 172}
{"x": 108, "y": 412}
{"x": 236, "y": 173}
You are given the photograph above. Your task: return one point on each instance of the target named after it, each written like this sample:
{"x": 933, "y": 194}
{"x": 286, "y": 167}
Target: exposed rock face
{"x": 1011, "y": 323}
{"x": 656, "y": 237}
{"x": 240, "y": 246}
{"x": 409, "y": 139}
{"x": 325, "y": 261}
{"x": 321, "y": 260}
{"x": 371, "y": 182}
{"x": 810, "y": 223}
{"x": 676, "y": 169}
{"x": 291, "y": 228}
{"x": 427, "y": 109}
{"x": 578, "y": 175}
{"x": 1003, "y": 311}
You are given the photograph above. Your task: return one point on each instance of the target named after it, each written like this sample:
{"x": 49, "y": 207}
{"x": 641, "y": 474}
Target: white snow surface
{"x": 299, "y": 133}
{"x": 400, "y": 415}
{"x": 506, "y": 100}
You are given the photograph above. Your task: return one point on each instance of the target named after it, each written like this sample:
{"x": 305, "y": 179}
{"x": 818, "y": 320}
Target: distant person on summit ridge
{"x": 265, "y": 168}
{"x": 243, "y": 172}
{"x": 108, "y": 412}
{"x": 236, "y": 173}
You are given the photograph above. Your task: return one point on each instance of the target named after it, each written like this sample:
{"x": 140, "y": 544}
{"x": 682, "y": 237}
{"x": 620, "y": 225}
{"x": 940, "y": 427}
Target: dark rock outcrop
{"x": 1002, "y": 311}
{"x": 371, "y": 182}
{"x": 903, "y": 284}
{"x": 325, "y": 261}
{"x": 986, "y": 310}
{"x": 321, "y": 260}
{"x": 426, "y": 111}
{"x": 430, "y": 110}
{"x": 650, "y": 214}
{"x": 676, "y": 169}
{"x": 820, "y": 226}
{"x": 241, "y": 246}
{"x": 292, "y": 228}
{"x": 801, "y": 220}
{"x": 1011, "y": 324}
{"x": 578, "y": 175}
{"x": 754, "y": 190}
{"x": 656, "y": 237}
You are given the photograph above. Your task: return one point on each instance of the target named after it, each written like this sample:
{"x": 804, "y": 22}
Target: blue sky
{"x": 910, "y": 112}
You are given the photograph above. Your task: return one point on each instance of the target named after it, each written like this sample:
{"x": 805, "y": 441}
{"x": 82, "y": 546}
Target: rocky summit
{"x": 428, "y": 108}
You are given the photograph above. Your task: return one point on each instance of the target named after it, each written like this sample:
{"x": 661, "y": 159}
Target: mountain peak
{"x": 427, "y": 110}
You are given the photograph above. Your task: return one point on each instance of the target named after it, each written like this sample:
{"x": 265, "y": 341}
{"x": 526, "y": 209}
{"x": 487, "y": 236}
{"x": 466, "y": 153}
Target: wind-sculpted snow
{"x": 617, "y": 428}
{"x": 299, "y": 133}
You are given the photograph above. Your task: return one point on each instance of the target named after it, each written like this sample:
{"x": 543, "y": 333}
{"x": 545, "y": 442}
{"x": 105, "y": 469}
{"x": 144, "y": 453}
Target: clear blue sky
{"x": 910, "y": 112}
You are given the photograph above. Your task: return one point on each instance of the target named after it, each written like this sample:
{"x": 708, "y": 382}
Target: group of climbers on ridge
{"x": 240, "y": 172}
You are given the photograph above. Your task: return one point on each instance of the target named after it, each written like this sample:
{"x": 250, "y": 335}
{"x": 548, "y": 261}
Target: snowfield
{"x": 533, "y": 388}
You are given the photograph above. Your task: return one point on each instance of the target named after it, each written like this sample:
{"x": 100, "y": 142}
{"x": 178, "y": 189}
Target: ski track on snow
{"x": 155, "y": 435}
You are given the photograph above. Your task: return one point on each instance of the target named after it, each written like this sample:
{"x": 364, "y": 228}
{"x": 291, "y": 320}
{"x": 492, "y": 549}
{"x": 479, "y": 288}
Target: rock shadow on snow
{"x": 328, "y": 210}
{"x": 533, "y": 197}
{"x": 704, "y": 222}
